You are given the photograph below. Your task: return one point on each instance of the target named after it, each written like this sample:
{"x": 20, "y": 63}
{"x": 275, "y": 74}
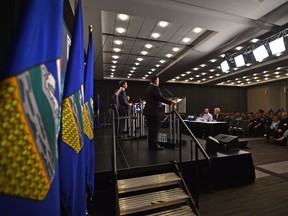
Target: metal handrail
{"x": 114, "y": 165}
{"x": 193, "y": 137}
{"x": 197, "y": 146}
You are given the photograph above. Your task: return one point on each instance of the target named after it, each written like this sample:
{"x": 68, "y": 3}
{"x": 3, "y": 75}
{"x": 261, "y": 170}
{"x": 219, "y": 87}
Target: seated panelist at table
{"x": 207, "y": 116}
{"x": 217, "y": 115}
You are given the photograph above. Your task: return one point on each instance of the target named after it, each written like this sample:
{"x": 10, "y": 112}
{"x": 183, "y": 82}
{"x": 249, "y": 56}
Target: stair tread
{"x": 181, "y": 211}
{"x": 143, "y": 202}
{"x": 145, "y": 182}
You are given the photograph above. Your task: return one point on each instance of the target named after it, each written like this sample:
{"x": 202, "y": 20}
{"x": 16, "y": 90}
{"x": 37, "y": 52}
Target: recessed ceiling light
{"x": 139, "y": 59}
{"x": 213, "y": 60}
{"x": 176, "y": 49}
{"x": 191, "y": 78}
{"x": 114, "y": 62}
{"x": 120, "y": 30}
{"x": 134, "y": 68}
{"x": 277, "y": 72}
{"x": 155, "y": 35}
{"x": 248, "y": 82}
{"x": 149, "y": 72}
{"x": 279, "y": 68}
{"x": 168, "y": 55}
{"x": 173, "y": 80}
{"x": 111, "y": 75}
{"x": 162, "y": 61}
{"x": 117, "y": 49}
{"x": 203, "y": 65}
{"x": 212, "y": 70}
{"x": 112, "y": 69}
{"x": 148, "y": 46}
{"x": 188, "y": 72}
{"x": 198, "y": 81}
{"x": 118, "y": 42}
{"x": 277, "y": 76}
{"x": 211, "y": 77}
{"x": 197, "y": 29}
{"x": 186, "y": 40}
{"x": 254, "y": 40}
{"x": 146, "y": 75}
{"x": 239, "y": 48}
{"x": 266, "y": 78}
{"x": 186, "y": 80}
{"x": 137, "y": 63}
{"x": 203, "y": 74}
{"x": 265, "y": 72}
{"x": 144, "y": 52}
{"x": 177, "y": 77}
{"x": 115, "y": 57}
{"x": 258, "y": 80}
{"x": 129, "y": 74}
{"x": 183, "y": 75}
{"x": 195, "y": 69}
{"x": 222, "y": 55}
{"x": 217, "y": 74}
{"x": 163, "y": 23}
{"x": 132, "y": 71}
{"x": 197, "y": 76}
{"x": 153, "y": 69}
{"x": 113, "y": 66}
{"x": 157, "y": 65}
{"x": 204, "y": 79}
{"x": 266, "y": 75}
{"x": 123, "y": 17}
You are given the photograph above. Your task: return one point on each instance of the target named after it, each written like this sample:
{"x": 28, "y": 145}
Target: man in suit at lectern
{"x": 152, "y": 111}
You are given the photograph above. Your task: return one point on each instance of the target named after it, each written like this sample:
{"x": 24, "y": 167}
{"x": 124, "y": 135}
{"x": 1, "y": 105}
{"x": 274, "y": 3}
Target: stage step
{"x": 181, "y": 211}
{"x": 145, "y": 182}
{"x": 154, "y": 200}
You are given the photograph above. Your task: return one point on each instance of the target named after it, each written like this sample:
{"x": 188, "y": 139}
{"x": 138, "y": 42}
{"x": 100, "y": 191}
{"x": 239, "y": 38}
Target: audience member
{"x": 272, "y": 129}
{"x": 256, "y": 126}
{"x": 282, "y": 127}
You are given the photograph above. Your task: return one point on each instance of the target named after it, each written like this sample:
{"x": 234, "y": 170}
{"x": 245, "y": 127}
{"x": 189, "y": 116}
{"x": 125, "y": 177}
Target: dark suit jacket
{"x": 220, "y": 117}
{"x": 154, "y": 100}
{"x": 123, "y": 103}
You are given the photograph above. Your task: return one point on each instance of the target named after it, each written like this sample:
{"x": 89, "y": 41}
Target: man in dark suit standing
{"x": 123, "y": 104}
{"x": 152, "y": 111}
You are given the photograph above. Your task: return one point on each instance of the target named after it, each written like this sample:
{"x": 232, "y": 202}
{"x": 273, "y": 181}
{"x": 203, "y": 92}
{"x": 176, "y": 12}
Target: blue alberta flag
{"x": 71, "y": 154}
{"x": 88, "y": 114}
{"x": 30, "y": 100}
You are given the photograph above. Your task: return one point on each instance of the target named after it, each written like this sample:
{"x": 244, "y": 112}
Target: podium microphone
{"x": 169, "y": 92}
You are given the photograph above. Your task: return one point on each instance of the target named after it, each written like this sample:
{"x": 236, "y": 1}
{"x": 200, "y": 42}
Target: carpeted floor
{"x": 268, "y": 196}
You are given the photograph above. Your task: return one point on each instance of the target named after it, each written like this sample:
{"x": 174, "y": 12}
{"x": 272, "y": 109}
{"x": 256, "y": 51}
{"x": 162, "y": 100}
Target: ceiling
{"x": 222, "y": 26}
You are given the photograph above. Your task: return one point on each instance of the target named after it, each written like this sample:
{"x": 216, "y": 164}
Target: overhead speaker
{"x": 227, "y": 142}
